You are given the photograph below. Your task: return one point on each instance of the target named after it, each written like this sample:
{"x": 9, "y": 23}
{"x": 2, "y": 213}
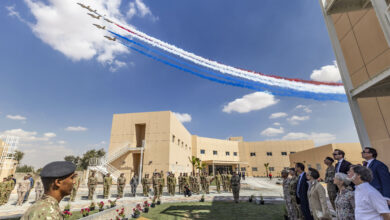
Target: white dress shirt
{"x": 369, "y": 162}
{"x": 369, "y": 203}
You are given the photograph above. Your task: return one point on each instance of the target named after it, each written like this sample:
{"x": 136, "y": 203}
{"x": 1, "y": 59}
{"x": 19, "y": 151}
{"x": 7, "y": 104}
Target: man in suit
{"x": 301, "y": 193}
{"x": 380, "y": 172}
{"x": 342, "y": 166}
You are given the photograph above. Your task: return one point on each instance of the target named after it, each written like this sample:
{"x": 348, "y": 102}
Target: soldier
{"x": 218, "y": 182}
{"x": 173, "y": 184}
{"x": 92, "y": 182}
{"x": 186, "y": 180}
{"x": 156, "y": 187}
{"x": 107, "y": 182}
{"x": 286, "y": 193}
{"x": 169, "y": 182}
{"x": 134, "y": 184}
{"x": 9, "y": 187}
{"x": 235, "y": 183}
{"x": 145, "y": 185}
{"x": 39, "y": 191}
{"x": 224, "y": 181}
{"x": 120, "y": 185}
{"x": 3, "y": 191}
{"x": 23, "y": 187}
{"x": 329, "y": 176}
{"x": 75, "y": 188}
{"x": 162, "y": 183}
{"x": 296, "y": 210}
{"x": 180, "y": 180}
{"x": 57, "y": 178}
{"x": 228, "y": 182}
{"x": 207, "y": 180}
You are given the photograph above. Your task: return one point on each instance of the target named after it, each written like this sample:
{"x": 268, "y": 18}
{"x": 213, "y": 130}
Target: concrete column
{"x": 213, "y": 169}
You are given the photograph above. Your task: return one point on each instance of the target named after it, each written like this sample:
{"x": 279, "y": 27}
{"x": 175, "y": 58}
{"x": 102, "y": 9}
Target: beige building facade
{"x": 360, "y": 34}
{"x": 143, "y": 143}
{"x": 314, "y": 157}
{"x": 7, "y": 162}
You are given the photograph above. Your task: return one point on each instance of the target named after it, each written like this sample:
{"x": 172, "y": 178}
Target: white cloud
{"x": 67, "y": 28}
{"x": 28, "y": 136}
{"x": 329, "y": 73}
{"x": 304, "y": 108}
{"x": 74, "y": 128}
{"x": 269, "y": 132}
{"x": 296, "y": 119}
{"x": 61, "y": 142}
{"x": 251, "y": 102}
{"x": 183, "y": 117}
{"x": 276, "y": 124}
{"x": 16, "y": 117}
{"x": 139, "y": 8}
{"x": 278, "y": 115}
{"x": 318, "y": 138}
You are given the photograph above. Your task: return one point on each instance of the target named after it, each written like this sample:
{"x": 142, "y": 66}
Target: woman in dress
{"x": 345, "y": 200}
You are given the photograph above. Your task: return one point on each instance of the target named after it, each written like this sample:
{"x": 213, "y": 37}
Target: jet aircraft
{"x": 94, "y": 16}
{"x": 110, "y": 38}
{"x": 100, "y": 27}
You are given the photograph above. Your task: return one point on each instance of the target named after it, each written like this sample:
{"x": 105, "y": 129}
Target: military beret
{"x": 57, "y": 169}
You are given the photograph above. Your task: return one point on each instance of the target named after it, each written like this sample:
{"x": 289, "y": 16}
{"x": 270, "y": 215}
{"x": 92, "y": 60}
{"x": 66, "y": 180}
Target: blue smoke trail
{"x": 236, "y": 82}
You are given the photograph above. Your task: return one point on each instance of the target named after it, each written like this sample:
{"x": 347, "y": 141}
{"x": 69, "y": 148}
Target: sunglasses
{"x": 335, "y": 154}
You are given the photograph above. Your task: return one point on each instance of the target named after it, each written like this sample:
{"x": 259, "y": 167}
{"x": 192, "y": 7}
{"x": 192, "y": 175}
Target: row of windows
{"x": 180, "y": 143}
{"x": 253, "y": 154}
{"x": 270, "y": 169}
{"x": 227, "y": 153}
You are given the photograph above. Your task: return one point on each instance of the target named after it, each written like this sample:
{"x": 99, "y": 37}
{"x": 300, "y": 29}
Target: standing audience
{"x": 380, "y": 172}
{"x": 329, "y": 176}
{"x": 317, "y": 197}
{"x": 296, "y": 214}
{"x": 286, "y": 193}
{"x": 369, "y": 203}
{"x": 345, "y": 200}
{"x": 23, "y": 188}
{"x": 38, "y": 191}
{"x": 301, "y": 194}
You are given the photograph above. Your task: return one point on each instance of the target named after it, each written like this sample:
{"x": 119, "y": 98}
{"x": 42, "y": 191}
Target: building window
{"x": 253, "y": 154}
{"x": 269, "y": 153}
{"x": 173, "y": 138}
{"x": 178, "y": 142}
{"x": 227, "y": 153}
{"x": 243, "y": 169}
{"x": 254, "y": 168}
{"x": 318, "y": 166}
{"x": 202, "y": 151}
{"x": 292, "y": 152}
{"x": 215, "y": 152}
{"x": 234, "y": 153}
{"x": 284, "y": 153}
{"x": 271, "y": 168}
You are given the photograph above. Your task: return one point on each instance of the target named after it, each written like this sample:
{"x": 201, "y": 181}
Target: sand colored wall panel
{"x": 359, "y": 77}
{"x": 379, "y": 64}
{"x": 343, "y": 26}
{"x": 221, "y": 146}
{"x": 351, "y": 53}
{"x": 355, "y": 16}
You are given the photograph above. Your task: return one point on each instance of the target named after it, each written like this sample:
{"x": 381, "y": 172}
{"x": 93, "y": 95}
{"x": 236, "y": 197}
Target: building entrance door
{"x": 221, "y": 169}
{"x": 136, "y": 161}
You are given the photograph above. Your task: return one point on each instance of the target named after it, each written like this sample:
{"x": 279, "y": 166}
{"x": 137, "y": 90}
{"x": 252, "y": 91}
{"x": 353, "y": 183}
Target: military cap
{"x": 58, "y": 169}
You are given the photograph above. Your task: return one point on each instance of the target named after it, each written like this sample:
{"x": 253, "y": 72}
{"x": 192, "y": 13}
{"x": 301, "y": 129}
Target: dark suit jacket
{"x": 344, "y": 168}
{"x": 302, "y": 197}
{"x": 381, "y": 180}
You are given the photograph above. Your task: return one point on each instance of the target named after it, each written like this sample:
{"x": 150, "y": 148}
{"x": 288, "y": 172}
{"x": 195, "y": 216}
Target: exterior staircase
{"x": 103, "y": 165}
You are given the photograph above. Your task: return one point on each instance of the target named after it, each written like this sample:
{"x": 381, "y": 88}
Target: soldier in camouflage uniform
{"x": 156, "y": 187}
{"x": 228, "y": 182}
{"x": 329, "y": 176}
{"x": 218, "y": 182}
{"x": 3, "y": 191}
{"x": 92, "y": 182}
{"x": 296, "y": 210}
{"x": 75, "y": 188}
{"x": 120, "y": 185}
{"x": 224, "y": 185}
{"x": 162, "y": 183}
{"x": 145, "y": 185}
{"x": 207, "y": 180}
{"x": 58, "y": 179}
{"x": 180, "y": 181}
{"x": 235, "y": 184}
{"x": 286, "y": 193}
{"x": 186, "y": 180}
{"x": 39, "y": 190}
{"x": 107, "y": 182}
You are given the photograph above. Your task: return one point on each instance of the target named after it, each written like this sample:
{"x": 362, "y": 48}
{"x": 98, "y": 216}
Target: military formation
{"x": 6, "y": 188}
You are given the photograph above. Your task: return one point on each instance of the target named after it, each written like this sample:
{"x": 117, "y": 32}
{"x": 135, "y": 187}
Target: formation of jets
{"x": 110, "y": 38}
{"x": 97, "y": 16}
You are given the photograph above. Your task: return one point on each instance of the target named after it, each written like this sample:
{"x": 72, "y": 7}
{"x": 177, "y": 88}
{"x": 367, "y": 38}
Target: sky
{"x": 62, "y": 81}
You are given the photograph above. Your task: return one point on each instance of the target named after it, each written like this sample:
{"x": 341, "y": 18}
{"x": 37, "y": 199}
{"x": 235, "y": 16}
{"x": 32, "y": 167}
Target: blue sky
{"x": 60, "y": 98}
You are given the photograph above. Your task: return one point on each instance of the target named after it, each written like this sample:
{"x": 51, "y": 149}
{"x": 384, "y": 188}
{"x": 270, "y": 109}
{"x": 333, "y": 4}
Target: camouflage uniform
{"x": 2, "y": 194}
{"x": 224, "y": 182}
{"x": 39, "y": 191}
{"x": 235, "y": 184}
{"x": 330, "y": 186}
{"x": 161, "y": 183}
{"x": 106, "y": 186}
{"x": 287, "y": 197}
{"x": 92, "y": 182}
{"x": 9, "y": 186}
{"x": 156, "y": 187}
{"x": 46, "y": 208}
{"x": 296, "y": 210}
{"x": 218, "y": 182}
{"x": 121, "y": 182}
{"x": 75, "y": 188}
{"x": 228, "y": 182}
{"x": 145, "y": 185}
{"x": 207, "y": 180}
{"x": 180, "y": 181}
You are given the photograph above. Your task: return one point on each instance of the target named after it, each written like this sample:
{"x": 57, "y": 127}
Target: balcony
{"x": 340, "y": 6}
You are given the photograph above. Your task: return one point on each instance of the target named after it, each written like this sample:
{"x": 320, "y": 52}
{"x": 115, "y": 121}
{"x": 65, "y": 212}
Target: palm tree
{"x": 194, "y": 161}
{"x": 201, "y": 166}
{"x": 266, "y": 165}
